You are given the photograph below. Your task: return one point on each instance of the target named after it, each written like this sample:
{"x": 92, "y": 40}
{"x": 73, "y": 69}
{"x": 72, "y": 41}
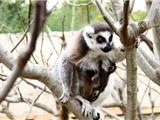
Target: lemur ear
{"x": 89, "y": 30}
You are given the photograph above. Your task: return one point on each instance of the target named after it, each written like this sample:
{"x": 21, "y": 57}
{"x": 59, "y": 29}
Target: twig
{"x": 41, "y": 49}
{"x": 25, "y": 33}
{"x": 124, "y": 29}
{"x": 35, "y": 86}
{"x": 139, "y": 114}
{"x": 29, "y": 101}
{"x": 29, "y": 13}
{"x": 63, "y": 36}
{"x": 40, "y": 17}
{"x": 149, "y": 56}
{"x": 111, "y": 115}
{"x": 145, "y": 91}
{"x": 107, "y": 17}
{"x": 73, "y": 16}
{"x": 152, "y": 105}
{"x": 49, "y": 34}
{"x": 32, "y": 104}
{"x": 88, "y": 14}
{"x": 131, "y": 6}
{"x": 147, "y": 41}
{"x": 117, "y": 9}
{"x": 150, "y": 71}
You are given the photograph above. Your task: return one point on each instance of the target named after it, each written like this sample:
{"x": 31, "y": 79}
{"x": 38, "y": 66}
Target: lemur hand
{"x": 65, "y": 97}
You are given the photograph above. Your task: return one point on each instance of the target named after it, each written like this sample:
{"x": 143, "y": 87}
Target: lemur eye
{"x": 110, "y": 38}
{"x": 89, "y": 35}
{"x": 100, "y": 39}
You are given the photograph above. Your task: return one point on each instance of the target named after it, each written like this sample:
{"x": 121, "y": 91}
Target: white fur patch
{"x": 106, "y": 35}
{"x": 89, "y": 30}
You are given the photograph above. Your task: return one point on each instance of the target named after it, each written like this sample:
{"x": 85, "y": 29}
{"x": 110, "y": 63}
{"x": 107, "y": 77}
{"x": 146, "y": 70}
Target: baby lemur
{"x": 95, "y": 80}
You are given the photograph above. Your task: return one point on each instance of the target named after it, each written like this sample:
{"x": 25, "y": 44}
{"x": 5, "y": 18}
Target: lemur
{"x": 94, "y": 81}
{"x": 91, "y": 44}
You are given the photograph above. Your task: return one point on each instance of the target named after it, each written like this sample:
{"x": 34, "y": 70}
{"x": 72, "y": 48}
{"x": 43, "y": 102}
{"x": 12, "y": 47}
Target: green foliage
{"x": 139, "y": 15}
{"x": 81, "y": 18}
{"x": 13, "y": 16}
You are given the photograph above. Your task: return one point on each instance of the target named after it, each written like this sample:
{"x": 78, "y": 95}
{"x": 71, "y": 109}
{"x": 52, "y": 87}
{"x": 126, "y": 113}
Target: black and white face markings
{"x": 98, "y": 37}
{"x": 104, "y": 41}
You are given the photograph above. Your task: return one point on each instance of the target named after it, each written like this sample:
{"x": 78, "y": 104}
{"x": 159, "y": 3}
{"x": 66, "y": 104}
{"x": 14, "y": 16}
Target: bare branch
{"x": 107, "y": 17}
{"x": 153, "y": 18}
{"x": 147, "y": 41}
{"x": 35, "y": 86}
{"x": 27, "y": 100}
{"x": 111, "y": 115}
{"x": 73, "y": 16}
{"x": 143, "y": 64}
{"x": 40, "y": 15}
{"x": 117, "y": 8}
{"x": 148, "y": 56}
{"x": 25, "y": 33}
{"x": 154, "y": 13}
{"x": 131, "y": 6}
{"x": 131, "y": 84}
{"x": 33, "y": 102}
{"x": 125, "y": 16}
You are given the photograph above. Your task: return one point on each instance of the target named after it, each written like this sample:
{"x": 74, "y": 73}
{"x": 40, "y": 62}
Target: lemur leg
{"x": 67, "y": 73}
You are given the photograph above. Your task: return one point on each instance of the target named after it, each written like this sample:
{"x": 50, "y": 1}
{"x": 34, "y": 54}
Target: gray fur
{"x": 85, "y": 53}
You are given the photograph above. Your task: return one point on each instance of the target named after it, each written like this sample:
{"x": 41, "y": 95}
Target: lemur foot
{"x": 64, "y": 97}
{"x": 86, "y": 106}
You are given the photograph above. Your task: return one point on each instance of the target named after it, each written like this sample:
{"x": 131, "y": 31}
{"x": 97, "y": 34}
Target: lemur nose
{"x": 107, "y": 48}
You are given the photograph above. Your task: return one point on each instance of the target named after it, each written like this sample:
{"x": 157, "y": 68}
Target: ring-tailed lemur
{"x": 94, "y": 80}
{"x": 91, "y": 44}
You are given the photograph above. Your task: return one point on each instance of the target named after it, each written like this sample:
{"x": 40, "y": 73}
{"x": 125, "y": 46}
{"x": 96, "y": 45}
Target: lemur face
{"x": 98, "y": 37}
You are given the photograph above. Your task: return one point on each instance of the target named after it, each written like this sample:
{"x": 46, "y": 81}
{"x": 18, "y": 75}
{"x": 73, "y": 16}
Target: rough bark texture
{"x": 131, "y": 84}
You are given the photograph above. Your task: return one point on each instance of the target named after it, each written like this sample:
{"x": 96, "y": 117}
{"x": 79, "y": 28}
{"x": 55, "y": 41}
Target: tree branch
{"x": 129, "y": 43}
{"x": 107, "y": 17}
{"x": 117, "y": 8}
{"x": 153, "y": 18}
{"x": 45, "y": 76}
{"x": 143, "y": 64}
{"x": 131, "y": 6}
{"x": 148, "y": 56}
{"x": 24, "y": 57}
{"x": 125, "y": 15}
{"x": 147, "y": 41}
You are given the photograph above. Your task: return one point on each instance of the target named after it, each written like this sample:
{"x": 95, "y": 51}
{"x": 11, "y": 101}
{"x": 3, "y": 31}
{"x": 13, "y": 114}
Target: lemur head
{"x": 98, "y": 37}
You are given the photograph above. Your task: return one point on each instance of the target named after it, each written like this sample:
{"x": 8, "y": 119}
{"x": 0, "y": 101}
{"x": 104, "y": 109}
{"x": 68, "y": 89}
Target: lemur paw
{"x": 86, "y": 106}
{"x": 95, "y": 115}
{"x": 64, "y": 97}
